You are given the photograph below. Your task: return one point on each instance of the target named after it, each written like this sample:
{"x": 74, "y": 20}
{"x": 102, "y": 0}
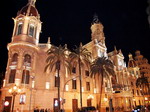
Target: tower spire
{"x": 95, "y": 18}
{"x": 31, "y": 2}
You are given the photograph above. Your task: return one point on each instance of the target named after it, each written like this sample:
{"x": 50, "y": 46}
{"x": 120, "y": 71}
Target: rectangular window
{"x": 12, "y": 76}
{"x": 88, "y": 86}
{"x": 67, "y": 87}
{"x": 137, "y": 92}
{"x": 19, "y": 29}
{"x": 74, "y": 84}
{"x": 31, "y": 31}
{"x": 47, "y": 85}
{"x": 56, "y": 81}
{"x": 133, "y": 91}
{"x": 22, "y": 99}
{"x": 25, "y": 77}
{"x": 74, "y": 70}
{"x": 86, "y": 72}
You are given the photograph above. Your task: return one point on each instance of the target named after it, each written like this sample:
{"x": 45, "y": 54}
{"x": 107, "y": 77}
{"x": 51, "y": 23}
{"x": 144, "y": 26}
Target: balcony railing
{"x": 117, "y": 87}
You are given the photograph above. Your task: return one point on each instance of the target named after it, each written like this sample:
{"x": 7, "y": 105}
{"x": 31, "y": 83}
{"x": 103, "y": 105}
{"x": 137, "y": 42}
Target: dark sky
{"x": 69, "y": 21}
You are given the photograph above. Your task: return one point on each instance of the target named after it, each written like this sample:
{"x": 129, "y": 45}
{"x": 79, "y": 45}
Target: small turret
{"x": 27, "y": 24}
{"x": 131, "y": 62}
{"x": 97, "y": 30}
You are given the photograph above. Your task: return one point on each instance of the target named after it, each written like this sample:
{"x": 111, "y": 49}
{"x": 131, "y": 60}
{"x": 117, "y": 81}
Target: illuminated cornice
{"x": 22, "y": 44}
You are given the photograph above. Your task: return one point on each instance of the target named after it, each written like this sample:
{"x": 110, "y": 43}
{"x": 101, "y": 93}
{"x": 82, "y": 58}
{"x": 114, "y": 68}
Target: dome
{"x": 32, "y": 10}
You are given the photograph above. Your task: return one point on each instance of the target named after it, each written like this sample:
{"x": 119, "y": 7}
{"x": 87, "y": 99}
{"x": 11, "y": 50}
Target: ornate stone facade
{"x": 26, "y": 64}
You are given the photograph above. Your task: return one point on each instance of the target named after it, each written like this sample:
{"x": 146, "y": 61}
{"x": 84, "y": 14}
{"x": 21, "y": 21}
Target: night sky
{"x": 69, "y": 21}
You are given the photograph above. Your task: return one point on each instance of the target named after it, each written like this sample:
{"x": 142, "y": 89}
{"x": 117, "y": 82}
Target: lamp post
{"x": 65, "y": 86}
{"x": 14, "y": 91}
{"x": 64, "y": 90}
{"x": 32, "y": 86}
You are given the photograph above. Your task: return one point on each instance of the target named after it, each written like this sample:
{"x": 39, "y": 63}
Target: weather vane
{"x": 95, "y": 18}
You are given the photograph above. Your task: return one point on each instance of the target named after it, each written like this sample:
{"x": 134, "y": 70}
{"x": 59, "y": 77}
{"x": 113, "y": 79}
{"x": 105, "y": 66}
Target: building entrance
{"x": 74, "y": 105}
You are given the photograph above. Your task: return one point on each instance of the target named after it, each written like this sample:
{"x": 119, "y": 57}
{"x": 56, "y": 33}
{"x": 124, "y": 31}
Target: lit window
{"x": 95, "y": 90}
{"x": 82, "y": 89}
{"x": 33, "y": 84}
{"x": 67, "y": 87}
{"x": 47, "y": 85}
{"x": 22, "y": 99}
{"x": 17, "y": 82}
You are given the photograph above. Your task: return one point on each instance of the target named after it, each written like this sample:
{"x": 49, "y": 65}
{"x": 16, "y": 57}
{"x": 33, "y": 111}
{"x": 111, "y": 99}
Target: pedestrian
{"x": 38, "y": 110}
{"x": 49, "y": 110}
{"x": 46, "y": 110}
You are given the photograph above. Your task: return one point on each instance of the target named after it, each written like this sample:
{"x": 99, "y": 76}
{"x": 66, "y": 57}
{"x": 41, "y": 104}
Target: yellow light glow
{"x": 95, "y": 91}
{"x": 10, "y": 90}
{"x": 67, "y": 87}
{"x": 90, "y": 97}
{"x": 17, "y": 82}
{"x": 82, "y": 89}
{"x": 27, "y": 17}
{"x": 105, "y": 99}
{"x": 33, "y": 83}
{"x": 19, "y": 90}
{"x": 47, "y": 85}
{"x": 15, "y": 87}
{"x": 146, "y": 98}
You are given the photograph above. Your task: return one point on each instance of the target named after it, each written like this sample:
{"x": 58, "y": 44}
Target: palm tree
{"x": 81, "y": 56}
{"x": 103, "y": 68}
{"x": 56, "y": 58}
{"x": 142, "y": 82}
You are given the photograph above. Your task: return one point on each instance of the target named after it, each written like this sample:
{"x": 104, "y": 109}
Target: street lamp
{"x": 67, "y": 88}
{"x": 14, "y": 91}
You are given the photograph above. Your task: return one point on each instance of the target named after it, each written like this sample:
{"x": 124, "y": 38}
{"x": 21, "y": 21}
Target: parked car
{"x": 88, "y": 109}
{"x": 139, "y": 108}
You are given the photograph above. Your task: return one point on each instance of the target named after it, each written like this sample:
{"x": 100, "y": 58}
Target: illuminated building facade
{"x": 26, "y": 63}
{"x": 144, "y": 68}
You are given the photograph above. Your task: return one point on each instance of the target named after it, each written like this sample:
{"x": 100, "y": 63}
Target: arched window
{"x": 19, "y": 28}
{"x": 12, "y": 76}
{"x": 31, "y": 30}
{"x": 15, "y": 58}
{"x": 25, "y": 77}
{"x": 27, "y": 58}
